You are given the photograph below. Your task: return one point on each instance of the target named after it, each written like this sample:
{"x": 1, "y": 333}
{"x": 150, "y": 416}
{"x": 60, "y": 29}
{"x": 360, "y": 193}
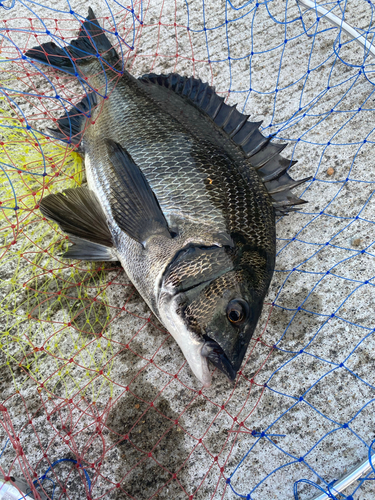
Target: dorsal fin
{"x": 263, "y": 155}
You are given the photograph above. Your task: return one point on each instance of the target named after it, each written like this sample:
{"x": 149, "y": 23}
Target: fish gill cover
{"x": 98, "y": 401}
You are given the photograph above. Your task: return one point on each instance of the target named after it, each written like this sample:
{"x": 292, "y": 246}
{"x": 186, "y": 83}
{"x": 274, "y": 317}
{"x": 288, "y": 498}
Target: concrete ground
{"x": 99, "y": 380}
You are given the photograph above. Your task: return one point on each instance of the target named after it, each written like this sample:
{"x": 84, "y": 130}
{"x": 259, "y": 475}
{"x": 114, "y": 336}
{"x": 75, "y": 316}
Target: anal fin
{"x": 72, "y": 124}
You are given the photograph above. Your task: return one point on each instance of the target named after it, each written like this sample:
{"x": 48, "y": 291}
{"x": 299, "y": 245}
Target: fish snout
{"x": 226, "y": 349}
{"x": 214, "y": 353}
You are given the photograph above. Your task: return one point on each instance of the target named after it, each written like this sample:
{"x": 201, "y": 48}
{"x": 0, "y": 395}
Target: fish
{"x": 182, "y": 190}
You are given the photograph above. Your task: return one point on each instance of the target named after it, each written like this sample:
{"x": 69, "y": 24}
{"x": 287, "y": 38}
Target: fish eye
{"x": 237, "y": 311}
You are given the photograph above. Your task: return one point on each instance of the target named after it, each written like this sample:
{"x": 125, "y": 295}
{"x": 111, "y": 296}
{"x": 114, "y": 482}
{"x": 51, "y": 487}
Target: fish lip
{"x": 189, "y": 343}
{"x": 215, "y": 354}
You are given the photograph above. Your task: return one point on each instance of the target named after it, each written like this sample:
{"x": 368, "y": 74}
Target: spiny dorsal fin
{"x": 135, "y": 208}
{"x": 78, "y": 213}
{"x": 263, "y": 155}
{"x": 71, "y": 126}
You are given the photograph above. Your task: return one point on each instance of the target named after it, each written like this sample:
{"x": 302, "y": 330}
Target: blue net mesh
{"x": 98, "y": 401}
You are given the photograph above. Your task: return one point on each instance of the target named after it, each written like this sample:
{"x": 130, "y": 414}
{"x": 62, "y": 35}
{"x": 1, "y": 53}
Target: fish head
{"x": 214, "y": 319}
{"x": 225, "y": 312}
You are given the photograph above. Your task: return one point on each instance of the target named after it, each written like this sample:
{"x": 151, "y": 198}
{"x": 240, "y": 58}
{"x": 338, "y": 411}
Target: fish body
{"x": 182, "y": 190}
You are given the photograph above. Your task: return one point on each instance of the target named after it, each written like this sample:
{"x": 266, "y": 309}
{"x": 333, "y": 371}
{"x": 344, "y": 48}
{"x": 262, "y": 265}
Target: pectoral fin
{"x": 135, "y": 207}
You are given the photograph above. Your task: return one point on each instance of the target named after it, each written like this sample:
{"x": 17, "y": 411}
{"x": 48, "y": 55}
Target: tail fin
{"x": 91, "y": 42}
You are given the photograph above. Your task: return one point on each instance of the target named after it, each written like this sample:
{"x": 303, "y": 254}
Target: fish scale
{"x": 183, "y": 188}
{"x": 170, "y": 181}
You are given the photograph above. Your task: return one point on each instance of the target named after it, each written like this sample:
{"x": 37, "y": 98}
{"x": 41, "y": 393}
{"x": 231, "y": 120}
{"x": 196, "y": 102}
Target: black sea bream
{"x": 182, "y": 190}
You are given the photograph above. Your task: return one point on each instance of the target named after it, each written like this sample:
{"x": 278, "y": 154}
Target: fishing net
{"x": 97, "y": 399}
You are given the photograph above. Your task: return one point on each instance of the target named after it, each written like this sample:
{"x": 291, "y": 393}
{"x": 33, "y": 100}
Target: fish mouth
{"x": 214, "y": 353}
